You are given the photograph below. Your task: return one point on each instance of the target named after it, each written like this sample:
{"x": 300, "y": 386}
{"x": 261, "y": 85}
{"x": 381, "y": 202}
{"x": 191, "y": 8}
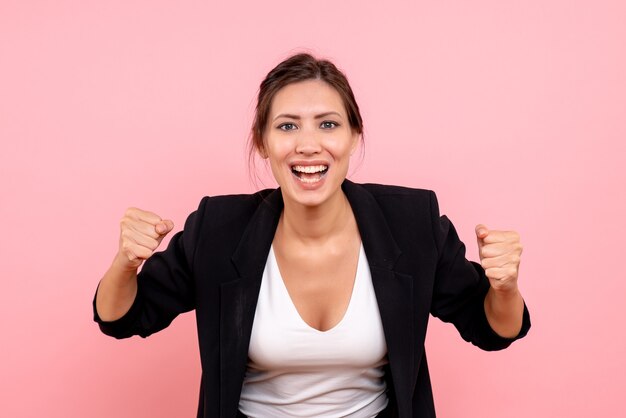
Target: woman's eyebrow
{"x": 298, "y": 117}
{"x": 325, "y": 114}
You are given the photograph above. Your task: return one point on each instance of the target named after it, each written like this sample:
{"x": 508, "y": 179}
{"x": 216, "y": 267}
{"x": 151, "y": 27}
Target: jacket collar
{"x": 251, "y": 254}
{"x": 382, "y": 251}
{"x": 394, "y": 292}
{"x": 380, "y": 247}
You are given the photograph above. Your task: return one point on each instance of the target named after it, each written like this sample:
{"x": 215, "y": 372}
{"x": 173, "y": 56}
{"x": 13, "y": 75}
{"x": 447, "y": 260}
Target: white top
{"x": 295, "y": 370}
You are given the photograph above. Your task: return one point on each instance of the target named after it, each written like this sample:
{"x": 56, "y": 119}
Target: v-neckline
{"x": 292, "y": 305}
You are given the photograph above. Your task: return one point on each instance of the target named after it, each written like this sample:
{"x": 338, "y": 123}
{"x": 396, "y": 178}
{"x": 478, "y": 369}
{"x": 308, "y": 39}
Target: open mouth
{"x": 309, "y": 173}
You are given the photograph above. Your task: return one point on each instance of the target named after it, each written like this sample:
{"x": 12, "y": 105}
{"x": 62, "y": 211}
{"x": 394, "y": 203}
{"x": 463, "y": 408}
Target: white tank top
{"x": 295, "y": 370}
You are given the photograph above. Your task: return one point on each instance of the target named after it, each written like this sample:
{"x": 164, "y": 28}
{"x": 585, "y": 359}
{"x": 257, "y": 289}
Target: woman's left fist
{"x": 500, "y": 253}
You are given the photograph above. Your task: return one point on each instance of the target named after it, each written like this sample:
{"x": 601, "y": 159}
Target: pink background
{"x": 514, "y": 112}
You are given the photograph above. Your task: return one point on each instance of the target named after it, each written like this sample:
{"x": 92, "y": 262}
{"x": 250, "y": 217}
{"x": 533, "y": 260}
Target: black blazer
{"x": 215, "y": 266}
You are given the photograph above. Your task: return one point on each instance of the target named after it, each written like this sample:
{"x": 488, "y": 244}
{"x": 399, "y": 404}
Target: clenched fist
{"x": 500, "y": 253}
{"x": 141, "y": 232}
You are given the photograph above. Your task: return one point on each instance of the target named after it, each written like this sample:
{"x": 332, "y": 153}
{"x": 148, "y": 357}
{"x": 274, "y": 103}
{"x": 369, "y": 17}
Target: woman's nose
{"x": 308, "y": 143}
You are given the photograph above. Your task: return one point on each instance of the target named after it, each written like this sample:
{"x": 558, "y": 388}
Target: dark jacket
{"x": 216, "y": 263}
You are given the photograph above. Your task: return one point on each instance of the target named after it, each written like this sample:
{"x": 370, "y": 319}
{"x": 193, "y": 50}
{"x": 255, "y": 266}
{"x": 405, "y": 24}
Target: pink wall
{"x": 514, "y": 112}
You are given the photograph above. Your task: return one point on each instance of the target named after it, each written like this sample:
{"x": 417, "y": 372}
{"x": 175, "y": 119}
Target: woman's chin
{"x": 307, "y": 193}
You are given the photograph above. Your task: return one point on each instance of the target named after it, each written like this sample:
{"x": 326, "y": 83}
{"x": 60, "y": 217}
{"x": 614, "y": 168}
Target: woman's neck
{"x": 316, "y": 224}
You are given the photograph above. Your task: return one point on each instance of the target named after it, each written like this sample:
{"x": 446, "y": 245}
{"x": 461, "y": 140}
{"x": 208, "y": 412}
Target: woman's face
{"x": 309, "y": 141}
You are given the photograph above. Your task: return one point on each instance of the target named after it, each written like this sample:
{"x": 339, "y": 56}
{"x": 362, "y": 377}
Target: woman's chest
{"x": 319, "y": 285}
{"x": 281, "y": 337}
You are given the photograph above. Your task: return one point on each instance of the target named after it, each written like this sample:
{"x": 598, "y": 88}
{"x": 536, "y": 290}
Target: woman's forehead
{"x": 307, "y": 98}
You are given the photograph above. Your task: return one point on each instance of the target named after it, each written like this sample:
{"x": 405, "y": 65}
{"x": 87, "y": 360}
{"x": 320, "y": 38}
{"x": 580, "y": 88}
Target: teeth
{"x": 309, "y": 181}
{"x": 309, "y": 169}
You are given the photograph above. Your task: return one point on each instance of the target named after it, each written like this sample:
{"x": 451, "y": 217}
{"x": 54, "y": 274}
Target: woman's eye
{"x": 329, "y": 124}
{"x": 287, "y": 127}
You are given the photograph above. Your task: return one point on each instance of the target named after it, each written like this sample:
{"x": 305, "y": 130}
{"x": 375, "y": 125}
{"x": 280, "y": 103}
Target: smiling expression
{"x": 308, "y": 142}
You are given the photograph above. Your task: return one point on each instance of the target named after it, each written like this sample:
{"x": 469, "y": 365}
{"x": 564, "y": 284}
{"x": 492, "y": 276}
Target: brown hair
{"x": 301, "y": 67}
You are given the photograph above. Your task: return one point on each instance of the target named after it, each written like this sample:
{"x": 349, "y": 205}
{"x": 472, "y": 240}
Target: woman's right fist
{"x": 141, "y": 232}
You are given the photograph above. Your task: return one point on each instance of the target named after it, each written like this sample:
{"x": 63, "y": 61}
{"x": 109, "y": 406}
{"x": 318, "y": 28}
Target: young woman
{"x": 312, "y": 300}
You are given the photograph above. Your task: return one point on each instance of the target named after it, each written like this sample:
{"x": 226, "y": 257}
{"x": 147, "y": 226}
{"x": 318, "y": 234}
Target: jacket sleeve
{"x": 165, "y": 286}
{"x": 460, "y": 288}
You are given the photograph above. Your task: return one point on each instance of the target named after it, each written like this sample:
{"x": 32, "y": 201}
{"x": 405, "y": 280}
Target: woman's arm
{"x": 500, "y": 253}
{"x": 504, "y": 312}
{"x": 481, "y": 300}
{"x": 141, "y": 232}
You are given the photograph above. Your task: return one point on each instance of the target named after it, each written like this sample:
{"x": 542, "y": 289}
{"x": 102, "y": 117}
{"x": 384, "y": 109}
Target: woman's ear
{"x": 261, "y": 150}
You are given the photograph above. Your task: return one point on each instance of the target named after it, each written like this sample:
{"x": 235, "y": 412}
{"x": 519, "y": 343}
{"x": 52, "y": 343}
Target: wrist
{"x": 121, "y": 264}
{"x": 122, "y": 272}
{"x": 504, "y": 310}
{"x": 504, "y": 294}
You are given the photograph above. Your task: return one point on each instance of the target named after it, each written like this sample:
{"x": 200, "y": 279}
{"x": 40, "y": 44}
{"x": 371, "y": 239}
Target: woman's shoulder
{"x": 391, "y": 189}
{"x": 239, "y": 201}
{"x": 394, "y": 194}
{"x": 395, "y": 201}
{"x": 230, "y": 207}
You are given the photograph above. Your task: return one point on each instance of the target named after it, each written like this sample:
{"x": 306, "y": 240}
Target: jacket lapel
{"x": 394, "y": 290}
{"x": 238, "y": 299}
